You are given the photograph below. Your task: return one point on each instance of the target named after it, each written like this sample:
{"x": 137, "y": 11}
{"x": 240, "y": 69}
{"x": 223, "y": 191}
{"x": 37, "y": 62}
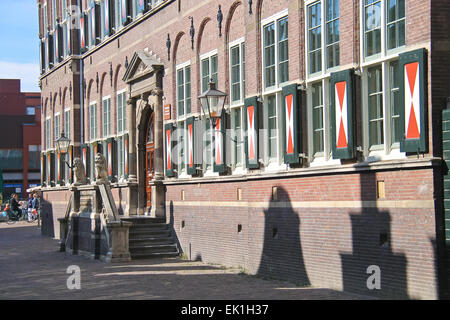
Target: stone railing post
{"x": 119, "y": 247}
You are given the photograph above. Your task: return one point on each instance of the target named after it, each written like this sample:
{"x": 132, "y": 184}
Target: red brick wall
{"x": 320, "y": 241}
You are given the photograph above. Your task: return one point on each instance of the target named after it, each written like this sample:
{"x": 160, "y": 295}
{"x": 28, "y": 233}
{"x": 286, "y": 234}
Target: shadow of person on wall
{"x": 172, "y": 228}
{"x": 372, "y": 268}
{"x": 282, "y": 255}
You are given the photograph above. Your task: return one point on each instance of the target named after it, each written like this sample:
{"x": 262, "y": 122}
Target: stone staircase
{"x": 151, "y": 237}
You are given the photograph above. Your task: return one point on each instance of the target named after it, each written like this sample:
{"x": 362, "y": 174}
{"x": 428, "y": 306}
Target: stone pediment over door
{"x": 142, "y": 72}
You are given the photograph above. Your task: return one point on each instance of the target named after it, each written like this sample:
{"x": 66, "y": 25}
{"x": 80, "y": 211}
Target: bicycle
{"x": 12, "y": 218}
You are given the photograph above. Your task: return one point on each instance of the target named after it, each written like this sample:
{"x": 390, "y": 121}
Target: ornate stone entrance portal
{"x": 145, "y": 120}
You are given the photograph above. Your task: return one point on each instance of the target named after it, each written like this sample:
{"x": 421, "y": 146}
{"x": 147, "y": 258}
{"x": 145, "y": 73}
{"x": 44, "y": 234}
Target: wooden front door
{"x": 149, "y": 161}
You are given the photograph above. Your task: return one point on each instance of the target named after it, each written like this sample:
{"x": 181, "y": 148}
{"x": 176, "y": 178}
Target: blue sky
{"x": 19, "y": 42}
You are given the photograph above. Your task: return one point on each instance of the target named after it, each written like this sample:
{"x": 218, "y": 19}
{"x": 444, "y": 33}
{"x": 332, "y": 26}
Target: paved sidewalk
{"x": 32, "y": 268}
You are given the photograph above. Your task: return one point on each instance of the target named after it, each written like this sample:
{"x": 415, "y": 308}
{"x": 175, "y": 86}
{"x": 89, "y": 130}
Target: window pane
{"x": 237, "y": 137}
{"x": 283, "y": 51}
{"x": 269, "y": 55}
{"x": 272, "y": 115}
{"x": 205, "y": 74}
{"x": 372, "y": 27}
{"x": 187, "y": 72}
{"x": 180, "y": 92}
{"x": 314, "y": 38}
{"x": 317, "y": 106}
{"x": 394, "y": 85}
{"x": 235, "y": 74}
{"x": 375, "y": 88}
{"x": 332, "y": 33}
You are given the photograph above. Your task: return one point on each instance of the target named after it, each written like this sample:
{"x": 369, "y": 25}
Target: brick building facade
{"x": 20, "y": 148}
{"x": 328, "y": 160}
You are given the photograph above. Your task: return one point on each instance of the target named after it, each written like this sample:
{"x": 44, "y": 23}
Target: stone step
{"x": 150, "y": 226}
{"x": 154, "y": 255}
{"x": 154, "y": 248}
{"x": 145, "y": 240}
{"x": 142, "y": 233}
{"x": 143, "y": 220}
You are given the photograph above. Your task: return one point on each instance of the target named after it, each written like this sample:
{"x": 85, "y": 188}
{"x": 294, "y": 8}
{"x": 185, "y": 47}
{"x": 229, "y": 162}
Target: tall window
{"x": 65, "y": 28}
{"x": 237, "y": 143}
{"x": 318, "y": 117}
{"x": 57, "y": 126}
{"x": 48, "y": 133}
{"x": 275, "y": 72}
{"x": 332, "y": 33}
{"x": 375, "y": 91}
{"x": 208, "y": 160}
{"x": 121, "y": 112}
{"x": 67, "y": 123}
{"x": 237, "y": 72}
{"x": 184, "y": 91}
{"x": 45, "y": 18}
{"x": 106, "y": 117}
{"x": 93, "y": 121}
{"x": 276, "y": 53}
{"x": 395, "y": 23}
{"x": 394, "y": 84}
{"x": 121, "y": 130}
{"x": 383, "y": 26}
{"x": 92, "y": 33}
{"x": 209, "y": 71}
{"x": 372, "y": 27}
{"x": 118, "y": 14}
{"x": 322, "y": 47}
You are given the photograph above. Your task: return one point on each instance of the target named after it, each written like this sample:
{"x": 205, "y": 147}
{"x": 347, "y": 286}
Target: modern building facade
{"x": 327, "y": 166}
{"x": 20, "y": 146}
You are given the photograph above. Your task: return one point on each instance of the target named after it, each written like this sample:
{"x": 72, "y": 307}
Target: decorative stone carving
{"x": 79, "y": 172}
{"x": 101, "y": 175}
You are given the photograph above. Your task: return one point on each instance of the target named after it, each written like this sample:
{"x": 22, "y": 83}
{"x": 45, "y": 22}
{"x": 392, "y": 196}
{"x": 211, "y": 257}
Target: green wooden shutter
{"x": 42, "y": 56}
{"x": 413, "y": 101}
{"x": 190, "y": 139}
{"x": 70, "y": 161}
{"x": 84, "y": 32}
{"x": 291, "y": 123}
{"x": 58, "y": 169}
{"x": 51, "y": 157}
{"x": 110, "y": 152}
{"x": 86, "y": 158}
{"x": 125, "y": 155}
{"x": 342, "y": 111}
{"x": 43, "y": 169}
{"x": 251, "y": 137}
{"x": 168, "y": 132}
{"x": 97, "y": 23}
{"x": 50, "y": 50}
{"x": 219, "y": 145}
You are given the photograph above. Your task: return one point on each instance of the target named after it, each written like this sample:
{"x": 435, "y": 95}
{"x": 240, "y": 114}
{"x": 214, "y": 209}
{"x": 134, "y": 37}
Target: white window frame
{"x": 178, "y": 67}
{"x": 204, "y": 56}
{"x": 278, "y": 164}
{"x": 48, "y": 133}
{"x": 67, "y": 123}
{"x": 386, "y": 151}
{"x": 108, "y": 126}
{"x": 57, "y": 125}
{"x": 238, "y": 169}
{"x": 120, "y": 136}
{"x": 238, "y": 43}
{"x": 324, "y": 72}
{"x": 118, "y": 15}
{"x": 94, "y": 137}
{"x": 384, "y": 54}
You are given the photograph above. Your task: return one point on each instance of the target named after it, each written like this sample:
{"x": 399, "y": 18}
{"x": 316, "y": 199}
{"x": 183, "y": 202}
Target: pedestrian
{"x": 35, "y": 204}
{"x": 14, "y": 205}
{"x": 30, "y": 205}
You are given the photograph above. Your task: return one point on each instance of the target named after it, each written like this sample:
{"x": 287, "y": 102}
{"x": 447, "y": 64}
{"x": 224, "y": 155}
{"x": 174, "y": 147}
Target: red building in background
{"x": 20, "y": 143}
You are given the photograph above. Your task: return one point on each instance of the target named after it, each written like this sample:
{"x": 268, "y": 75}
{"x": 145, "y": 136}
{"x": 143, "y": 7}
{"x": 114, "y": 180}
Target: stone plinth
{"x": 119, "y": 247}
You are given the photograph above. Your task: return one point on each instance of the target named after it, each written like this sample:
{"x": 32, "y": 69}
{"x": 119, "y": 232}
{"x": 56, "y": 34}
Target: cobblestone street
{"x": 32, "y": 268}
